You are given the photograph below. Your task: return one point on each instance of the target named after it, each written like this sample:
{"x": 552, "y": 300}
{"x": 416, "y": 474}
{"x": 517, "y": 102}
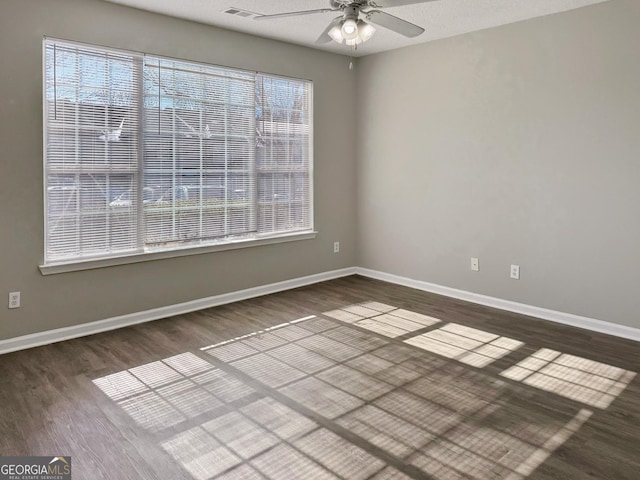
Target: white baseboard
{"x": 543, "y": 313}
{"x": 75, "y": 331}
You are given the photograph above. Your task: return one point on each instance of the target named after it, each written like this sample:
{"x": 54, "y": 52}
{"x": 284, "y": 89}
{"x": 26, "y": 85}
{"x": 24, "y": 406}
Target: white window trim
{"x": 102, "y": 262}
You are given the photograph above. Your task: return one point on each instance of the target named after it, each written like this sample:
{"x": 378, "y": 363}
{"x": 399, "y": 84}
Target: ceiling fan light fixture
{"x": 336, "y": 33}
{"x": 349, "y": 29}
{"x": 365, "y": 30}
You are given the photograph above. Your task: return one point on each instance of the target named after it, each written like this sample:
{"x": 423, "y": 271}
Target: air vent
{"x": 239, "y": 13}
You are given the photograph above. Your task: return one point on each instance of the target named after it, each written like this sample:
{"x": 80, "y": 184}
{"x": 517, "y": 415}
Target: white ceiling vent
{"x": 239, "y": 12}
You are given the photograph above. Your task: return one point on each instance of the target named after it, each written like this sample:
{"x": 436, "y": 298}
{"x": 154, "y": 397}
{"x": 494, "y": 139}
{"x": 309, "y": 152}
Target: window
{"x": 147, "y": 154}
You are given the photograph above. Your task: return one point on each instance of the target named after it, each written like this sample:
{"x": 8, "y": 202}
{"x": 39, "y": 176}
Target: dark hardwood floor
{"x": 352, "y": 378}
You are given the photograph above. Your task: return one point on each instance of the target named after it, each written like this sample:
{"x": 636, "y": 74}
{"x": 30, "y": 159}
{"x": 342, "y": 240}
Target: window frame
{"x": 145, "y": 252}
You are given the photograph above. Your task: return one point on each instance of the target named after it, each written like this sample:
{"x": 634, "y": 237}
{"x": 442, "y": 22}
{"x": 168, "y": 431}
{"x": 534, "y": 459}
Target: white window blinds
{"x": 199, "y": 150}
{"x": 91, "y": 124}
{"x": 147, "y": 153}
{"x": 284, "y": 154}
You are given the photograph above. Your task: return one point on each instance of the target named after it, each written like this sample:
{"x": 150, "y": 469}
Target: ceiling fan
{"x": 354, "y": 24}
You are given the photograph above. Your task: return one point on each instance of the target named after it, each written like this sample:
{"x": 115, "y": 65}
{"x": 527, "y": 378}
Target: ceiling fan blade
{"x": 394, "y": 23}
{"x": 398, "y": 3}
{"x": 324, "y": 37}
{"x": 295, "y": 14}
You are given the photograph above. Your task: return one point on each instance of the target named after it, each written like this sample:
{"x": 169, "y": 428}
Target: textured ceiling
{"x": 440, "y": 19}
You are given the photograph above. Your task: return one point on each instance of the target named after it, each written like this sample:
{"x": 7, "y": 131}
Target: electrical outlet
{"x": 515, "y": 272}
{"x": 475, "y": 265}
{"x": 14, "y": 300}
{"x": 336, "y": 247}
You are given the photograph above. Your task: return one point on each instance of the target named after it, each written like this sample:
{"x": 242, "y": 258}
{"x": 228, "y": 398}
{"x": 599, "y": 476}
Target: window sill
{"x": 89, "y": 264}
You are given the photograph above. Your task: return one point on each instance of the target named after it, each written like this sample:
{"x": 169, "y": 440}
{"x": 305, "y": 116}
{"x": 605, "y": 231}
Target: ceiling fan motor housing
{"x": 351, "y": 12}
{"x": 346, "y": 3}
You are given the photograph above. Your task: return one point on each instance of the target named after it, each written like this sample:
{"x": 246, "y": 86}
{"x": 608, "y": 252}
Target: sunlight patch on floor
{"x": 383, "y": 319}
{"x": 165, "y": 393}
{"x": 586, "y": 381}
{"x": 259, "y": 332}
{"x": 467, "y": 345}
{"x": 200, "y": 454}
{"x": 483, "y": 452}
{"x": 539, "y": 456}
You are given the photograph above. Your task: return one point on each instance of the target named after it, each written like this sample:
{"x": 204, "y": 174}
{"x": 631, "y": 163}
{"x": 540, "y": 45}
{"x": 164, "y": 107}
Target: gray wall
{"x": 519, "y": 144}
{"x": 516, "y": 145}
{"x": 72, "y": 298}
